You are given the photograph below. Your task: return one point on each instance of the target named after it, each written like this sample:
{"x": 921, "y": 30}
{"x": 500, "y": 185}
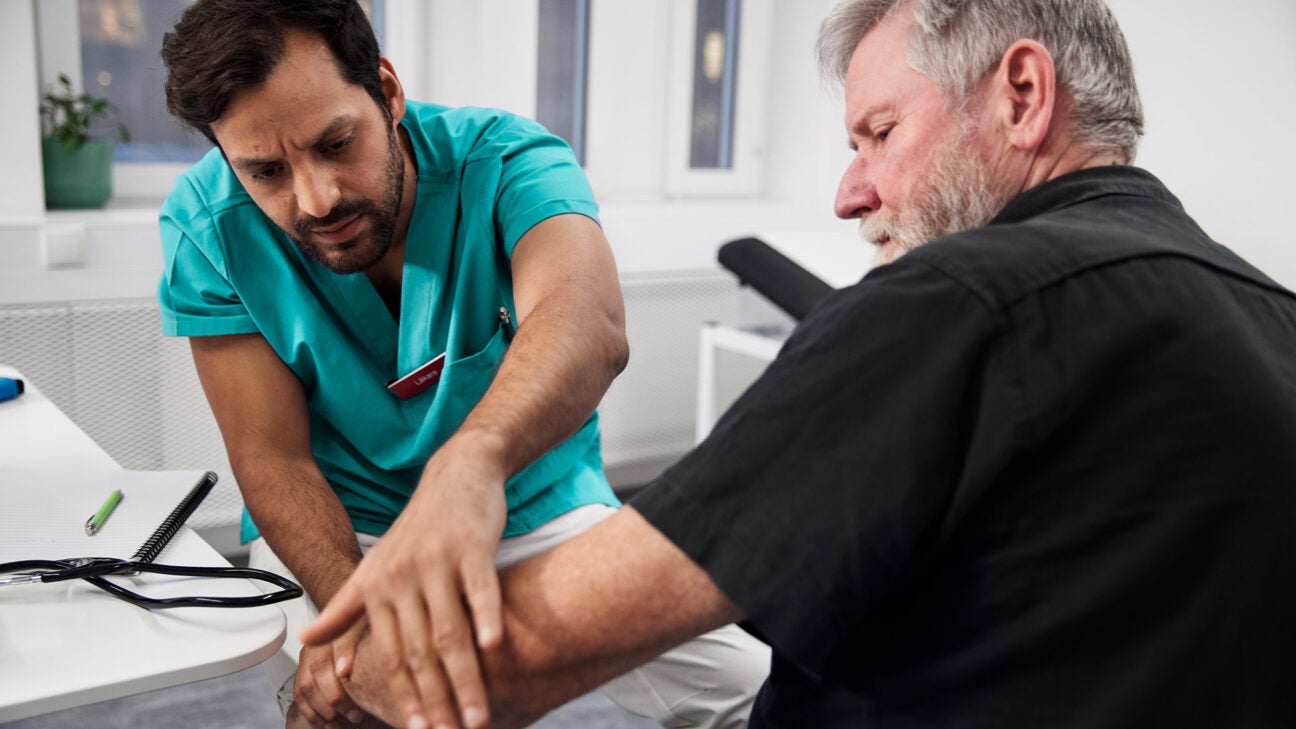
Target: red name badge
{"x": 418, "y": 380}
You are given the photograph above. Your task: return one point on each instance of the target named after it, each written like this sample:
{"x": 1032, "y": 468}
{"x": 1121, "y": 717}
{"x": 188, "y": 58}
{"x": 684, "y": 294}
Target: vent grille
{"x": 133, "y": 391}
{"x": 649, "y": 413}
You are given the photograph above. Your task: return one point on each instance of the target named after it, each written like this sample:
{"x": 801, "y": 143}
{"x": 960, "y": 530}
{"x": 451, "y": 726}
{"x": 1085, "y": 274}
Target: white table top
{"x": 69, "y": 644}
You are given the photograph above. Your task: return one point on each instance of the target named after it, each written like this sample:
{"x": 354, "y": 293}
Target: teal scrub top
{"x": 485, "y": 177}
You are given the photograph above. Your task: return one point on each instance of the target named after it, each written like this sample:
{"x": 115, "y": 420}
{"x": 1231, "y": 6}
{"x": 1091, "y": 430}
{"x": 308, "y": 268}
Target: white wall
{"x": 20, "y": 195}
{"x": 808, "y": 149}
{"x": 804, "y": 154}
{"x": 493, "y": 38}
{"x": 1219, "y": 90}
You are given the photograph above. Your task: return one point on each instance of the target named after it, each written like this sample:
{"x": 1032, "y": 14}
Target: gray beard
{"x": 958, "y": 195}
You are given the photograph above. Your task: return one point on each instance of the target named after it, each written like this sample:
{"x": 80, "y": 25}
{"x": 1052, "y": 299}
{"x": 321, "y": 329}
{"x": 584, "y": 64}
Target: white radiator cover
{"x": 648, "y": 414}
{"x": 135, "y": 392}
{"x": 106, "y": 364}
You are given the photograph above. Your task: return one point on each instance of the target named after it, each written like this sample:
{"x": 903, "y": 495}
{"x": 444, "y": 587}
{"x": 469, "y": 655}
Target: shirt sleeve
{"x": 818, "y": 491}
{"x": 195, "y": 296}
{"x": 538, "y": 177}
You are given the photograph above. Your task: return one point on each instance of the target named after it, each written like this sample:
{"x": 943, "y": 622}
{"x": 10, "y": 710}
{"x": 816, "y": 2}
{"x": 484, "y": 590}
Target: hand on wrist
{"x": 488, "y": 450}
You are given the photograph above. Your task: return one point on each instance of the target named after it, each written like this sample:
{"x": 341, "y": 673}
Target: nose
{"x": 317, "y": 191}
{"x": 856, "y": 195}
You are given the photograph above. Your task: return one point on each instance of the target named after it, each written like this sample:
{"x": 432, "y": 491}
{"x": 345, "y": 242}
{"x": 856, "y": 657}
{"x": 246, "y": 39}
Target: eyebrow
{"x": 864, "y": 120}
{"x": 862, "y": 124}
{"x": 335, "y": 126}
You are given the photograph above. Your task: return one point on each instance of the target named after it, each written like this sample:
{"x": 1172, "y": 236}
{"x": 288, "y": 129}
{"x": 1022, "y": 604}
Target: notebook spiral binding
{"x": 161, "y": 536}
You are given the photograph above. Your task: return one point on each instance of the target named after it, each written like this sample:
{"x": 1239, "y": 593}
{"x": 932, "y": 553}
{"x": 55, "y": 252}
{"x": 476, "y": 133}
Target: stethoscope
{"x": 95, "y": 570}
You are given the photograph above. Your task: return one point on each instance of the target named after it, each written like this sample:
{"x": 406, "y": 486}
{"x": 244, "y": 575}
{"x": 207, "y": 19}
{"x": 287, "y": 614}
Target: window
{"x": 717, "y": 125}
{"x": 652, "y": 133}
{"x": 660, "y": 100}
{"x": 561, "y": 70}
{"x": 715, "y": 65}
{"x": 119, "y": 61}
{"x": 111, "y": 48}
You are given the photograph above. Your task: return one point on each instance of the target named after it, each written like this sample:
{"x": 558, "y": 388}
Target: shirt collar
{"x": 1081, "y": 185}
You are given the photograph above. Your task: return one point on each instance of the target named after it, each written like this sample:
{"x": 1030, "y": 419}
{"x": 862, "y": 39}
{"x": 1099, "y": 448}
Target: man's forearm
{"x": 569, "y": 346}
{"x": 303, "y": 521}
{"x": 591, "y": 609}
{"x": 264, "y": 419}
{"x": 557, "y": 369}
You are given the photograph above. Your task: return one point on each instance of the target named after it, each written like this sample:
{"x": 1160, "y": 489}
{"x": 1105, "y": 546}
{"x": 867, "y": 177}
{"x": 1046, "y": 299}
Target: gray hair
{"x": 956, "y": 43}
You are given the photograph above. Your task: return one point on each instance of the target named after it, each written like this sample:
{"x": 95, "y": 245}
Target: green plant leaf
{"x": 69, "y": 116}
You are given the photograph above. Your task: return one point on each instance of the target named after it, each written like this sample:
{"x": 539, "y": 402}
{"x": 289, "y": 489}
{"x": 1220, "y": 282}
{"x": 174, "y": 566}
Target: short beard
{"x": 958, "y": 195}
{"x": 362, "y": 252}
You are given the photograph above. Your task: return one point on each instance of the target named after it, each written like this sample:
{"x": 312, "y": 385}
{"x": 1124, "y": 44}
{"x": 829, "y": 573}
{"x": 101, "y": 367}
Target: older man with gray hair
{"x": 1036, "y": 470}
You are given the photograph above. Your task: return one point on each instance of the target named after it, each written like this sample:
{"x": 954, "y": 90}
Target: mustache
{"x": 873, "y": 229}
{"x": 306, "y": 224}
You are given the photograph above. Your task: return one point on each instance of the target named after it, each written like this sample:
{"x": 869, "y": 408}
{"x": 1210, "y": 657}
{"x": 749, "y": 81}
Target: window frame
{"x": 58, "y": 31}
{"x": 422, "y": 45}
{"x": 745, "y": 177}
{"x": 577, "y": 84}
{"x": 621, "y": 138}
{"x": 59, "y": 46}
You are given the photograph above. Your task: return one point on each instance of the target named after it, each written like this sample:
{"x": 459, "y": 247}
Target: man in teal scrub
{"x": 403, "y": 317}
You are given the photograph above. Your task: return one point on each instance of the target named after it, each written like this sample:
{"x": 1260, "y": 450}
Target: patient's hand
{"x": 295, "y": 720}
{"x": 375, "y": 682}
{"x": 323, "y": 695}
{"x": 319, "y": 698}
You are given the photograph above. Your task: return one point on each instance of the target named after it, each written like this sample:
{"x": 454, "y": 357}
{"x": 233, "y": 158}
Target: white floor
{"x": 243, "y": 701}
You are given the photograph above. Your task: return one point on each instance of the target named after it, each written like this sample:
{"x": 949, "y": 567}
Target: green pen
{"x": 96, "y": 522}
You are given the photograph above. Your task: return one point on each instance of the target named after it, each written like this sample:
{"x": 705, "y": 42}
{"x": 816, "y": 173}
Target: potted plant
{"x": 78, "y": 164}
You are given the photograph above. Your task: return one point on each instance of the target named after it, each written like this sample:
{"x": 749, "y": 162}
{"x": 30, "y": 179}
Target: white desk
{"x": 721, "y": 382}
{"x": 69, "y": 644}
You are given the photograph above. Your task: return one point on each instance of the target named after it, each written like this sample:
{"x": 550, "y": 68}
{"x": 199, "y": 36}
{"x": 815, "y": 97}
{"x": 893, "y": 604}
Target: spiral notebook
{"x": 154, "y": 505}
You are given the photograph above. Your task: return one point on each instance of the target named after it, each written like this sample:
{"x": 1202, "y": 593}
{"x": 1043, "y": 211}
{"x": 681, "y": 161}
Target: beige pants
{"x": 708, "y": 682}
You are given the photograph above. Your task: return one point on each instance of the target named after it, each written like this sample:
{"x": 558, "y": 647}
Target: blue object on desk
{"x": 10, "y": 388}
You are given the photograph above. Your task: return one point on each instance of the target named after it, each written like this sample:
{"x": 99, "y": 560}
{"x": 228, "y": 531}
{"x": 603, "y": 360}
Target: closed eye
{"x": 339, "y": 145}
{"x": 265, "y": 174}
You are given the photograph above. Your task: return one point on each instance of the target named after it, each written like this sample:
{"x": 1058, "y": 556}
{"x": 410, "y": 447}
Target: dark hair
{"x": 219, "y": 47}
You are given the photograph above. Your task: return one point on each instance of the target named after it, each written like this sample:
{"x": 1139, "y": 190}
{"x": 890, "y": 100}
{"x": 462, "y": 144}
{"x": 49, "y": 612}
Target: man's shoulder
{"x": 461, "y": 119}
{"x": 206, "y": 190}
{"x": 448, "y": 136}
{"x": 1089, "y": 222}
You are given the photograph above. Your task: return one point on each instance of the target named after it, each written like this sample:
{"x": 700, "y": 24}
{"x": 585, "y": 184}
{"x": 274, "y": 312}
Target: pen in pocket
{"x": 508, "y": 323}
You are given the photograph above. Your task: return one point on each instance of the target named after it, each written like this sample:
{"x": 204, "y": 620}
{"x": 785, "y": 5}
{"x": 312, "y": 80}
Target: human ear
{"x": 392, "y": 89}
{"x": 1024, "y": 94}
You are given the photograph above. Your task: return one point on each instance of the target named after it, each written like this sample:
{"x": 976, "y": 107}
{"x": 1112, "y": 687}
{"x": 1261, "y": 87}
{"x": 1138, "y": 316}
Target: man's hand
{"x": 437, "y": 559}
{"x": 439, "y": 554}
{"x": 370, "y": 684}
{"x": 318, "y": 695}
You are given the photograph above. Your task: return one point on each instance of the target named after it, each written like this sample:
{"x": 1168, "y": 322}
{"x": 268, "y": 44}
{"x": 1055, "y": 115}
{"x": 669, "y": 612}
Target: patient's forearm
{"x": 574, "y": 618}
{"x": 592, "y": 609}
